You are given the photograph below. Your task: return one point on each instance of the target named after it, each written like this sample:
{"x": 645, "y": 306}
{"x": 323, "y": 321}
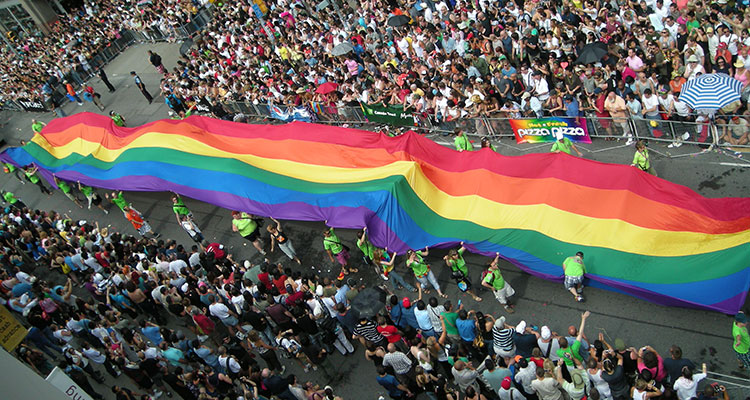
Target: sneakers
{"x": 385, "y": 278}
{"x": 283, "y": 369}
{"x": 579, "y": 290}
{"x": 579, "y": 298}
{"x": 674, "y": 144}
{"x": 509, "y": 309}
{"x": 685, "y": 136}
{"x": 629, "y": 142}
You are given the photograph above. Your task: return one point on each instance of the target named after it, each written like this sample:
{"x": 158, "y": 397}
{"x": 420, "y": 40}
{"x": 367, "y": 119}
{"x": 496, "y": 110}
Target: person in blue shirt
{"x": 572, "y": 109}
{"x": 152, "y": 332}
{"x": 395, "y": 389}
{"x": 466, "y": 326}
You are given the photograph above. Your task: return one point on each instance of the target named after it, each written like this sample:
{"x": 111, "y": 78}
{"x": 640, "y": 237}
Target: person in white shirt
{"x": 222, "y": 312}
{"x": 693, "y": 67}
{"x": 541, "y": 88}
{"x": 531, "y": 106}
{"x": 687, "y": 384}
{"x": 526, "y": 374}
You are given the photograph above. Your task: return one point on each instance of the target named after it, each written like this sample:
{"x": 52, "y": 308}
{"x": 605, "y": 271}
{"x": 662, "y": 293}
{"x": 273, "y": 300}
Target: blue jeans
{"x": 40, "y": 340}
{"x": 397, "y": 280}
{"x": 430, "y": 278}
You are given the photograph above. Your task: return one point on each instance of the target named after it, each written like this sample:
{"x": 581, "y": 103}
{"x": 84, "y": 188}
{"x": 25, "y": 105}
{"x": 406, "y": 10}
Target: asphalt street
{"x": 704, "y": 336}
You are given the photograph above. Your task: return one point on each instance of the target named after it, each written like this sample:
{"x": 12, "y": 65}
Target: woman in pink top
{"x": 649, "y": 359}
{"x": 741, "y": 73}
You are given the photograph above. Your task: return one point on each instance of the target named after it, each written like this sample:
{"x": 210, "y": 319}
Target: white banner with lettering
{"x": 59, "y": 379}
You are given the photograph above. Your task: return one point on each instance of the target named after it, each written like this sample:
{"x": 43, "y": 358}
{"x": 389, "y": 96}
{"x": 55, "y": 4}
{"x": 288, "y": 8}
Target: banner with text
{"x": 11, "y": 331}
{"x": 392, "y": 115}
{"x": 62, "y": 381}
{"x": 550, "y": 129}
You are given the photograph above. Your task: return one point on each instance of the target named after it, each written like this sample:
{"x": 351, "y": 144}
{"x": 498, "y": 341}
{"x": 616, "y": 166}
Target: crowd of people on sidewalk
{"x": 195, "y": 323}
{"x": 443, "y": 60}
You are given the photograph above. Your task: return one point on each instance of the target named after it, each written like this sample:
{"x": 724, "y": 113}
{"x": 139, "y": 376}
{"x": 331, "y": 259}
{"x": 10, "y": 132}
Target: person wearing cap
{"x": 579, "y": 385}
{"x": 508, "y": 392}
{"x": 139, "y": 84}
{"x": 494, "y": 281}
{"x": 461, "y": 141}
{"x": 531, "y": 106}
{"x": 741, "y": 340}
{"x": 641, "y": 159}
{"x": 736, "y": 132}
{"x": 574, "y": 270}
{"x": 564, "y": 145}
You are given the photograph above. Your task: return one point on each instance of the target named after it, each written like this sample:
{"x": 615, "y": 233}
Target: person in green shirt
{"x": 486, "y": 143}
{"x": 641, "y": 159}
{"x": 567, "y": 351}
{"x": 118, "y": 199}
{"x": 37, "y": 126}
{"x": 245, "y": 225}
{"x": 574, "y": 270}
{"x": 67, "y": 191}
{"x": 563, "y": 144}
{"x": 32, "y": 176}
{"x": 12, "y": 200}
{"x": 459, "y": 272}
{"x": 92, "y": 197}
{"x": 461, "y": 141}
{"x": 117, "y": 118}
{"x": 334, "y": 248}
{"x": 415, "y": 261}
{"x": 448, "y": 319}
{"x": 11, "y": 169}
{"x": 494, "y": 281}
{"x": 368, "y": 250}
{"x": 741, "y": 342}
{"x": 179, "y": 208}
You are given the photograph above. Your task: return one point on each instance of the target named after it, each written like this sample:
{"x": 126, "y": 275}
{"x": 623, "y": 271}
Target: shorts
{"x": 229, "y": 321}
{"x": 144, "y": 229}
{"x": 503, "y": 294}
{"x": 343, "y": 257}
{"x": 572, "y": 281}
{"x": 744, "y": 358}
{"x": 253, "y": 236}
{"x": 505, "y": 353}
{"x": 96, "y": 199}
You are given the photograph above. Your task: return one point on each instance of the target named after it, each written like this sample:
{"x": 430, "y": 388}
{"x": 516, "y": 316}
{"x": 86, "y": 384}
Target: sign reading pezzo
{"x": 550, "y": 129}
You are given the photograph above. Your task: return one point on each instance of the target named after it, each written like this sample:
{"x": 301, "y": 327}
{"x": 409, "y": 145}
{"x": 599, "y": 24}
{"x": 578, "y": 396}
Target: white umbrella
{"x": 342, "y": 49}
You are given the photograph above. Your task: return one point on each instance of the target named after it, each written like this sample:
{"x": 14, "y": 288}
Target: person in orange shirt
{"x": 140, "y": 224}
{"x": 72, "y": 95}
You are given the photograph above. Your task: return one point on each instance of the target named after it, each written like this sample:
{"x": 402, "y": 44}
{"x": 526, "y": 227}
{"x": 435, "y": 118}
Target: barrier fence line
{"x": 124, "y": 39}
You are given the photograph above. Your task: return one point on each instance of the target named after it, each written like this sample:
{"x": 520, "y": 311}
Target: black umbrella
{"x": 369, "y": 302}
{"x": 186, "y": 45}
{"x": 398, "y": 20}
{"x": 592, "y": 53}
{"x": 342, "y": 48}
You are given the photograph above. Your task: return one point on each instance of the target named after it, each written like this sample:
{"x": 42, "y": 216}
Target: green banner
{"x": 392, "y": 115}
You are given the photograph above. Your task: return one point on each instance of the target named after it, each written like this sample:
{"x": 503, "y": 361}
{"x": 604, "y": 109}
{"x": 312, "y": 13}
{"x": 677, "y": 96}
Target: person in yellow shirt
{"x": 641, "y": 159}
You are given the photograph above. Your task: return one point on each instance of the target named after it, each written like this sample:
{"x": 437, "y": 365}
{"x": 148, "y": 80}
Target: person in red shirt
{"x": 216, "y": 249}
{"x": 390, "y": 332}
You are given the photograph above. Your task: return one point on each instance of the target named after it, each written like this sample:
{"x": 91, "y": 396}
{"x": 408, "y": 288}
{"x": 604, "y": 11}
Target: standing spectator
{"x": 71, "y": 93}
{"x": 686, "y": 385}
{"x": 546, "y": 387}
{"x": 675, "y": 363}
{"x": 103, "y": 76}
{"x": 396, "y": 390}
{"x": 89, "y": 94}
{"x": 155, "y": 60}
{"x": 141, "y": 86}
{"x": 508, "y": 392}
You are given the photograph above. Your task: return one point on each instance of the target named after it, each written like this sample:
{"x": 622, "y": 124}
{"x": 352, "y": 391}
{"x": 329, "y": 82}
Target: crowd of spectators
{"x": 453, "y": 60}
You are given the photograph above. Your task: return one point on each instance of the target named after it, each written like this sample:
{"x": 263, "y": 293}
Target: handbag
{"x": 478, "y": 342}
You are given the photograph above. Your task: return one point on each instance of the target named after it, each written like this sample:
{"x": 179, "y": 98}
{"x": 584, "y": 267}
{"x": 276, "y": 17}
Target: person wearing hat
{"x": 693, "y": 67}
{"x": 741, "y": 340}
{"x": 494, "y": 281}
{"x": 574, "y": 270}
{"x": 531, "y": 106}
{"x": 736, "y": 131}
{"x": 741, "y": 73}
{"x": 461, "y": 141}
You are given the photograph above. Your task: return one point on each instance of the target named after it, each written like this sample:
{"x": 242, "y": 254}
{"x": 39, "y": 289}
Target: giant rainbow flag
{"x": 641, "y": 235}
